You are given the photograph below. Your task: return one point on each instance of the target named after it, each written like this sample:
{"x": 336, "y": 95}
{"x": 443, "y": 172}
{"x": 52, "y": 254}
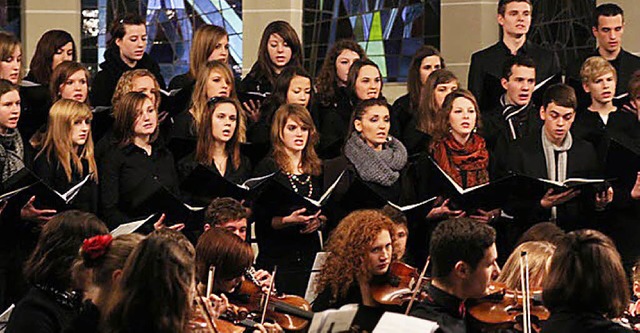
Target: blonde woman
{"x": 214, "y": 79}
{"x": 65, "y": 154}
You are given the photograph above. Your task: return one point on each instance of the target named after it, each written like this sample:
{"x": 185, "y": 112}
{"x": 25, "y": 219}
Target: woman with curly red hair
{"x": 360, "y": 252}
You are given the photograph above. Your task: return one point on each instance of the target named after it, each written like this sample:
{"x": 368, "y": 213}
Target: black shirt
{"x": 486, "y": 70}
{"x": 445, "y": 309}
{"x": 129, "y": 176}
{"x": 52, "y": 173}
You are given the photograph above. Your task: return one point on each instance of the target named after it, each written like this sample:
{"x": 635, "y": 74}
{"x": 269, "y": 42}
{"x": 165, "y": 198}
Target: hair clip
{"x": 96, "y": 246}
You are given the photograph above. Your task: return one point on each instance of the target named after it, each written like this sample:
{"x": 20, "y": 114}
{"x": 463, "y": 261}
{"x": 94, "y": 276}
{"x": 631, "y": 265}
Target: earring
{"x": 475, "y": 129}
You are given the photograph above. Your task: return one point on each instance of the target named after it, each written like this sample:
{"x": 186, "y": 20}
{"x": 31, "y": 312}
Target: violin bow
{"x": 417, "y": 286}
{"x": 266, "y": 302}
{"x": 524, "y": 278}
{"x": 212, "y": 271}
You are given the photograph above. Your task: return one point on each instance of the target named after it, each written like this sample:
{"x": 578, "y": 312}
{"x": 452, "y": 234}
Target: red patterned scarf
{"x": 455, "y": 158}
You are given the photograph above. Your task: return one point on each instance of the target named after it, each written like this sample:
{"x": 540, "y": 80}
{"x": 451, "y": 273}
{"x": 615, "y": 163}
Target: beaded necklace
{"x": 300, "y": 180}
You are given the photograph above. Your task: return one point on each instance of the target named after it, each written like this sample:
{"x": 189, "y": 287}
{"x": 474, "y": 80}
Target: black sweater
{"x": 105, "y": 82}
{"x": 566, "y": 320}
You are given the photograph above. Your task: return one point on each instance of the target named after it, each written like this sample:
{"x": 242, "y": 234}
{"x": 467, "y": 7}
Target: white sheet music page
{"x": 396, "y": 322}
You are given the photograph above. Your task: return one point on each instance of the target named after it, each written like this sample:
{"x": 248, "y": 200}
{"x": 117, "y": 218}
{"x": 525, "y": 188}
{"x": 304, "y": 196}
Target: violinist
{"x": 360, "y": 252}
{"x": 229, "y": 214}
{"x": 463, "y": 257}
{"x": 231, "y": 257}
{"x": 586, "y": 286}
{"x": 539, "y": 256}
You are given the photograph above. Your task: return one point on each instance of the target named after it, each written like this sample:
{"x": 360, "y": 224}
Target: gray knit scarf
{"x": 556, "y": 171}
{"x": 380, "y": 167}
{"x": 11, "y": 153}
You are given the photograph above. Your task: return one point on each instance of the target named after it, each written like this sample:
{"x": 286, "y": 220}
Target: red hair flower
{"x": 96, "y": 246}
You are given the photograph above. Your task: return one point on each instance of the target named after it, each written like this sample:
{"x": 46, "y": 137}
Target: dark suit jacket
{"x": 486, "y": 69}
{"x": 526, "y": 157}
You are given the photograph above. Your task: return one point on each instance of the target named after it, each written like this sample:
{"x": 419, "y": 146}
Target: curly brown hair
{"x": 327, "y": 80}
{"x": 348, "y": 247}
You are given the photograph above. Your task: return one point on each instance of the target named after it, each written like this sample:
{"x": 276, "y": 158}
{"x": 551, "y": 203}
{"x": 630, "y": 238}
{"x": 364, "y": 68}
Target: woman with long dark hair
{"x": 332, "y": 99}
{"x": 54, "y": 47}
{"x": 424, "y": 62}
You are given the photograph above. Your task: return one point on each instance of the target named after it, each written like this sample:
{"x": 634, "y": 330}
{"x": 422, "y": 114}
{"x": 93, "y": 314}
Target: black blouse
{"x": 129, "y": 176}
{"x": 292, "y": 251}
{"x": 52, "y": 173}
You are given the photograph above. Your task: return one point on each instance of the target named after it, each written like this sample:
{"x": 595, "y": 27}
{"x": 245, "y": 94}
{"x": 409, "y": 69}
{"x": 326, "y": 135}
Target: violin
{"x": 202, "y": 321}
{"x": 291, "y": 312}
{"x": 503, "y": 308}
{"x": 399, "y": 285}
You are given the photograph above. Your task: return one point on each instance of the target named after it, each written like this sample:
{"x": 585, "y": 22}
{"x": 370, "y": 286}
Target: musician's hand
{"x": 550, "y": 200}
{"x": 268, "y": 328}
{"x": 252, "y": 108}
{"x": 264, "y": 278}
{"x": 216, "y": 306}
{"x": 160, "y": 224}
{"x": 486, "y": 216}
{"x": 443, "y": 210}
{"x": 604, "y": 198}
{"x": 30, "y": 213}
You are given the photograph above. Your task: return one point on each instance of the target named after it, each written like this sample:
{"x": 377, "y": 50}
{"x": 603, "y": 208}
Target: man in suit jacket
{"x": 555, "y": 155}
{"x": 514, "y": 16}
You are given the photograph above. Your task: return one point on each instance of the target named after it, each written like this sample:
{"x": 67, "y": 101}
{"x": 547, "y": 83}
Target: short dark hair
{"x": 222, "y": 210}
{"x": 459, "y": 239}
{"x": 586, "y": 275}
{"x": 502, "y": 5}
{"x": 518, "y": 60}
{"x": 118, "y": 29}
{"x": 51, "y": 261}
{"x": 560, "y": 94}
{"x": 608, "y": 10}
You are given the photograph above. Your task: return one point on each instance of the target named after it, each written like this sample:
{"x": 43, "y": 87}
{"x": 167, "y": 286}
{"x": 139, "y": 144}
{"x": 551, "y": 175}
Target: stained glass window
{"x": 389, "y": 31}
{"x": 170, "y": 27}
